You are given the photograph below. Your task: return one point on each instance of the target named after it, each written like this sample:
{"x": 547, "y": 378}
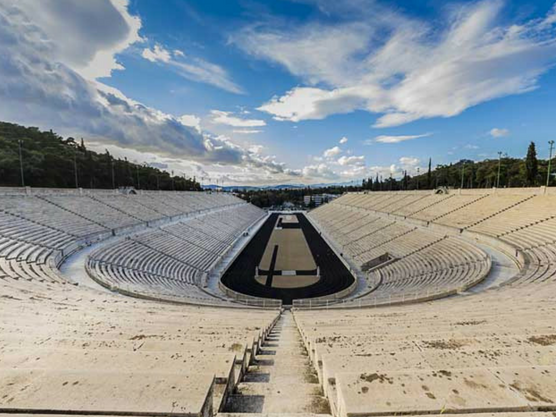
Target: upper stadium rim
{"x": 465, "y": 282}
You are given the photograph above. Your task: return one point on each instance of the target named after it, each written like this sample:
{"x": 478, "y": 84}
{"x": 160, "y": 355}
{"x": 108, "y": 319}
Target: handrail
{"x": 249, "y": 299}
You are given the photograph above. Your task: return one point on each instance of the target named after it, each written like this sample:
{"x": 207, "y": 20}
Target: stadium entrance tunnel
{"x": 287, "y": 259}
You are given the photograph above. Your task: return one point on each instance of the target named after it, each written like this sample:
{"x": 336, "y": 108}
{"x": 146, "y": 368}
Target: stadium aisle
{"x": 281, "y": 379}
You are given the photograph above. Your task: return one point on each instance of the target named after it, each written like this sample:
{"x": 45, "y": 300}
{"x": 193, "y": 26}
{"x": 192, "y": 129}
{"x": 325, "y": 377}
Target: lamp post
{"x": 75, "y": 168}
{"x": 418, "y": 177}
{"x": 137, "y": 174}
{"x": 499, "y": 166}
{"x": 551, "y": 143}
{"x": 21, "y": 164}
{"x": 113, "y": 173}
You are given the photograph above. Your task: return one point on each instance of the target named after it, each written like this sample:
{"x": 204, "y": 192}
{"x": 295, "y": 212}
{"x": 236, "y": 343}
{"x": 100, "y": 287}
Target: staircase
{"x": 281, "y": 379}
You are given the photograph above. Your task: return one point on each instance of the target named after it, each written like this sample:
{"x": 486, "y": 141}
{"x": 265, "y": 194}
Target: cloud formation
{"x": 332, "y": 152}
{"x": 228, "y": 119}
{"x": 402, "y": 68}
{"x": 191, "y": 121}
{"x": 246, "y": 131}
{"x": 41, "y": 87}
{"x": 192, "y": 68}
{"x": 157, "y": 54}
{"x": 498, "y": 132}
{"x": 397, "y": 139}
{"x": 99, "y": 30}
{"x": 352, "y": 160}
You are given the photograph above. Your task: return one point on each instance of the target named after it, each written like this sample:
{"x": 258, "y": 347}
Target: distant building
{"x": 318, "y": 199}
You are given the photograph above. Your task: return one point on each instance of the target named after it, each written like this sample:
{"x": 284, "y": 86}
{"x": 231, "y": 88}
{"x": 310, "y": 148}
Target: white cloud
{"x": 352, "y": 160}
{"x": 192, "y": 68}
{"x": 332, "y": 152}
{"x": 191, "y": 121}
{"x": 402, "y": 68}
{"x": 89, "y": 54}
{"x": 409, "y": 161}
{"x": 85, "y": 35}
{"x": 470, "y": 146}
{"x": 343, "y": 141}
{"x": 38, "y": 88}
{"x": 246, "y": 131}
{"x": 408, "y": 164}
{"x": 304, "y": 103}
{"x": 157, "y": 54}
{"x": 256, "y": 149}
{"x": 228, "y": 119}
{"x": 397, "y": 139}
{"x": 498, "y": 132}
{"x": 321, "y": 171}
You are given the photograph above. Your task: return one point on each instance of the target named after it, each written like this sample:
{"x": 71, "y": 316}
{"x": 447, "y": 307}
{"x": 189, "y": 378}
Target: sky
{"x": 253, "y": 92}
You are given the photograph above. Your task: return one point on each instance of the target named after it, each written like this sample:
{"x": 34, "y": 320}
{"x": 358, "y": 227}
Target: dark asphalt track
{"x": 240, "y": 276}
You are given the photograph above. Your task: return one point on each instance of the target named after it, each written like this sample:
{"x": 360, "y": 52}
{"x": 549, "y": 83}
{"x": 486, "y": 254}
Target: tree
{"x": 405, "y": 180}
{"x": 429, "y": 175}
{"x": 50, "y": 161}
{"x": 531, "y": 165}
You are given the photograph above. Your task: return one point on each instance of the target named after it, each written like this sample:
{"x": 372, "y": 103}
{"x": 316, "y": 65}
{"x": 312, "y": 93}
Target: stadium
{"x": 197, "y": 303}
{"x": 277, "y": 208}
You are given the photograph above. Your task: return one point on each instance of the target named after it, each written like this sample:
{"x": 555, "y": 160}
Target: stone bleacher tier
{"x": 494, "y": 351}
{"x": 69, "y": 348}
{"x": 73, "y": 349}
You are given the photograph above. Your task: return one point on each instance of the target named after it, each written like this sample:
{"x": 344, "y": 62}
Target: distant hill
{"x": 48, "y": 160}
{"x": 281, "y": 186}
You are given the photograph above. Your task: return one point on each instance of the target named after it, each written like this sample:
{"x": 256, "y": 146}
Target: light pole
{"x": 551, "y": 143}
{"x": 21, "y": 164}
{"x": 499, "y": 166}
{"x": 113, "y": 174}
{"x": 418, "y": 177}
{"x": 75, "y": 168}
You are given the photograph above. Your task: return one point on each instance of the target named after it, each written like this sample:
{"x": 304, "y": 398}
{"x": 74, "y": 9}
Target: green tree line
{"x": 504, "y": 172}
{"x": 49, "y": 160}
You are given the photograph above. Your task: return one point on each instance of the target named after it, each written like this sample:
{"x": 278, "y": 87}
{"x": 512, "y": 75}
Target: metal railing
{"x": 249, "y": 300}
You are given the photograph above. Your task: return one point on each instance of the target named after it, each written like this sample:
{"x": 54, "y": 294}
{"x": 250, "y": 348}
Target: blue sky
{"x": 304, "y": 91}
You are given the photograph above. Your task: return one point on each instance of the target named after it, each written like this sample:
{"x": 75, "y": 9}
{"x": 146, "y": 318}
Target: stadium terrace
{"x": 198, "y": 303}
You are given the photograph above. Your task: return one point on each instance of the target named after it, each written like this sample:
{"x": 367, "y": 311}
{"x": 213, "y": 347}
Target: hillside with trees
{"x": 504, "y": 172}
{"x": 49, "y": 160}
